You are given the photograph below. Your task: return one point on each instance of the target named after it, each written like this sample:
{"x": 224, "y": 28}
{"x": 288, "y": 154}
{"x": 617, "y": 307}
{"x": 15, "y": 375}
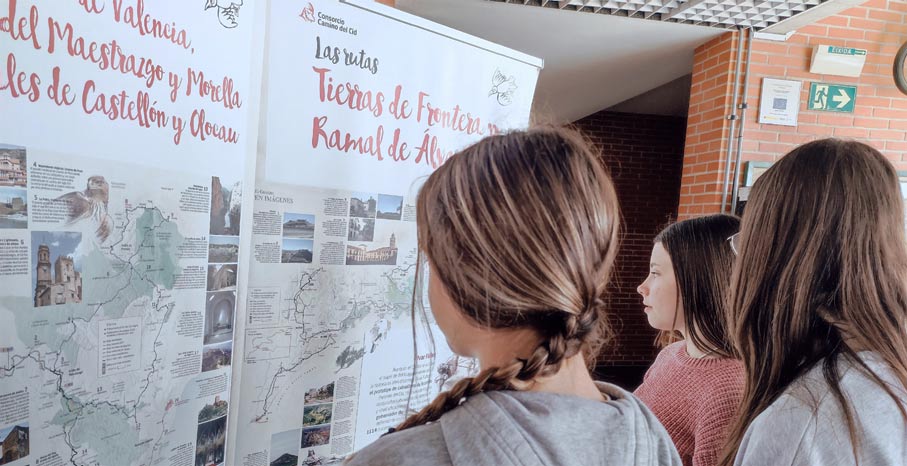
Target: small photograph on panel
{"x": 226, "y": 206}
{"x": 285, "y": 448}
{"x": 361, "y": 230}
{"x": 13, "y": 208}
{"x": 217, "y": 408}
{"x": 297, "y": 251}
{"x": 322, "y": 394}
{"x": 374, "y": 254}
{"x": 219, "y": 308}
{"x": 390, "y": 207}
{"x": 13, "y": 166}
{"x": 363, "y": 205}
{"x": 314, "y": 436}
{"x": 15, "y": 442}
{"x": 223, "y": 249}
{"x": 298, "y": 226}
{"x": 210, "y": 441}
{"x": 217, "y": 356}
{"x": 56, "y": 269}
{"x": 221, "y": 277}
{"x": 317, "y": 414}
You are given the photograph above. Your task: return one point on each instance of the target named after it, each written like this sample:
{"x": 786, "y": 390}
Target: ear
{"x": 211, "y": 4}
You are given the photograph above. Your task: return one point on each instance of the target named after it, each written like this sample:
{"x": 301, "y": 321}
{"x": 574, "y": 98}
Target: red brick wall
{"x": 879, "y": 118}
{"x": 644, "y": 154}
{"x": 707, "y": 131}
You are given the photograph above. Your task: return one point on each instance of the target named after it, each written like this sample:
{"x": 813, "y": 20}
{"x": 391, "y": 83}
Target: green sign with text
{"x": 832, "y": 97}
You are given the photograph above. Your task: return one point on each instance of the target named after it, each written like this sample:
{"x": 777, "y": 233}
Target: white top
{"x": 806, "y": 424}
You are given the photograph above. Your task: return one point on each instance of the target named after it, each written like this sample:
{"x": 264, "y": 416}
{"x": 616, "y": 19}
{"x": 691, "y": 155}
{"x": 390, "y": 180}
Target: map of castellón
{"x": 116, "y": 348}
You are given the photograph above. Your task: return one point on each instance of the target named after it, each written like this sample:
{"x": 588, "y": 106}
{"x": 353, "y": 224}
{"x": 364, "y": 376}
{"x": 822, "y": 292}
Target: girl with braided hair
{"x": 818, "y": 312}
{"x": 520, "y": 232}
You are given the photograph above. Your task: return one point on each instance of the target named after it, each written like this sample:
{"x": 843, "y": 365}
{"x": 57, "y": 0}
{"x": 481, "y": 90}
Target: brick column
{"x": 711, "y": 99}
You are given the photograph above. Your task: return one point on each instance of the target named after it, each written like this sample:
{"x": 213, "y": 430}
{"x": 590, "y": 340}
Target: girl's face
{"x": 659, "y": 293}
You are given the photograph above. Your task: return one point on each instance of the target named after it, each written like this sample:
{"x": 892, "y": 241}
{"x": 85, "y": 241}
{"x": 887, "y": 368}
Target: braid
{"x": 518, "y": 375}
{"x": 493, "y": 378}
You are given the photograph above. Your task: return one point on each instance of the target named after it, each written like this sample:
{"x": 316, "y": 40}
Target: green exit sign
{"x": 832, "y": 97}
{"x": 845, "y": 51}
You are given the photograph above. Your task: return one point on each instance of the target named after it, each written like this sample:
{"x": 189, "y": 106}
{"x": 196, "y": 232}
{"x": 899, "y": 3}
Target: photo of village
{"x": 361, "y": 229}
{"x": 223, "y": 249}
{"x": 57, "y": 275}
{"x": 368, "y": 255}
{"x": 14, "y": 443}
{"x": 314, "y": 436}
{"x": 363, "y": 205}
{"x": 285, "y": 448}
{"x": 323, "y": 394}
{"x": 13, "y": 166}
{"x": 390, "y": 207}
{"x": 298, "y": 226}
{"x": 297, "y": 251}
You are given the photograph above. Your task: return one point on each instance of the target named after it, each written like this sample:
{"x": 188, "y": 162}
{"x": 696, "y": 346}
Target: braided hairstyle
{"x": 521, "y": 230}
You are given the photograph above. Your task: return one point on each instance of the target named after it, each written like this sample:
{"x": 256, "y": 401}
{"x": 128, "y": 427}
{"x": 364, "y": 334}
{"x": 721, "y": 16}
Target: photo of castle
{"x": 12, "y": 166}
{"x": 13, "y": 208}
{"x": 298, "y": 226}
{"x": 213, "y": 411}
{"x": 57, "y": 276}
{"x": 362, "y": 255}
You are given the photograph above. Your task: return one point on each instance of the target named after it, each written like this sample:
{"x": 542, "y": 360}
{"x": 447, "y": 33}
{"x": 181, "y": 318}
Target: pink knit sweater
{"x": 695, "y": 399}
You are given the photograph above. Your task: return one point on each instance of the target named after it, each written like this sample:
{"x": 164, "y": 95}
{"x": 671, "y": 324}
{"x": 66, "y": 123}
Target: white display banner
{"x": 362, "y": 102}
{"x": 361, "y": 96}
{"x": 127, "y": 128}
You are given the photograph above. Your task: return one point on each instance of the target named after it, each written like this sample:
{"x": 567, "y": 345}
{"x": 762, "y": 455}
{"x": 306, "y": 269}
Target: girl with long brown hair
{"x": 818, "y": 312}
{"x": 520, "y": 232}
{"x": 686, "y": 292}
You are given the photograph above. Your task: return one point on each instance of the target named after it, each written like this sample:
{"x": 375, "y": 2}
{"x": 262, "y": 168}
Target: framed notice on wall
{"x": 780, "y": 102}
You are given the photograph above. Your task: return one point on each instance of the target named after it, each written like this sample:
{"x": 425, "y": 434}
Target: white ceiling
{"x": 757, "y": 14}
{"x": 592, "y": 61}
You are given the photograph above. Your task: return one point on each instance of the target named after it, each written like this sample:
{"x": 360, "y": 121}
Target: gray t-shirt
{"x": 806, "y": 426}
{"x": 510, "y": 428}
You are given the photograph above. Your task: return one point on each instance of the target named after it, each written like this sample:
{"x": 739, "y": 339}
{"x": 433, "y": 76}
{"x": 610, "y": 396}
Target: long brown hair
{"x": 821, "y": 275}
{"x": 521, "y": 229}
{"x": 702, "y": 260}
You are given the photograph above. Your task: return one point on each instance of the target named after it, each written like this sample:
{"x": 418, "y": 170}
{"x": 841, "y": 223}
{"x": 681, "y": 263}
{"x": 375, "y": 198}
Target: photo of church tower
{"x": 57, "y": 277}
{"x": 362, "y": 255}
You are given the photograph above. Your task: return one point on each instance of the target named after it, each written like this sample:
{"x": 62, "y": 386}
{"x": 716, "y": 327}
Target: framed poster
{"x": 780, "y": 102}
